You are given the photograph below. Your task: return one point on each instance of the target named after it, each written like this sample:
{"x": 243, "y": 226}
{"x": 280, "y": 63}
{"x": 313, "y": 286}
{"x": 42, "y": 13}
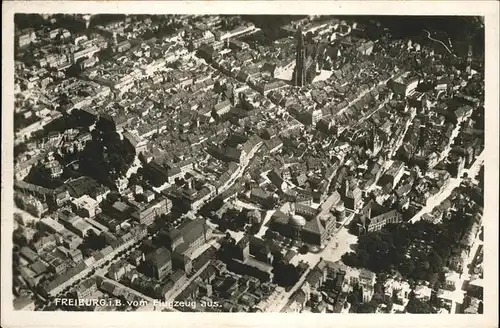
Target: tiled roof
{"x": 191, "y": 230}
{"x": 159, "y": 257}
{"x": 314, "y": 226}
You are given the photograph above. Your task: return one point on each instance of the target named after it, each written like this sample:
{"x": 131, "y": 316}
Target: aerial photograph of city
{"x": 248, "y": 163}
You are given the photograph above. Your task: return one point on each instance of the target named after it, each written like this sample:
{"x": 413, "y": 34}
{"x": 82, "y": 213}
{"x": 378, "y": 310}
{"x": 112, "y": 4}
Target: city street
{"x": 104, "y": 269}
{"x": 136, "y": 164}
{"x": 447, "y": 150}
{"x": 440, "y": 42}
{"x": 283, "y": 296}
{"x": 437, "y": 199}
{"x": 264, "y": 226}
{"x": 369, "y": 114}
{"x": 446, "y": 192}
{"x": 128, "y": 289}
{"x": 292, "y": 127}
{"x": 178, "y": 290}
{"x": 323, "y": 75}
{"x": 27, "y": 217}
{"x": 248, "y": 206}
{"x": 459, "y": 294}
{"x": 361, "y": 95}
{"x": 340, "y": 244}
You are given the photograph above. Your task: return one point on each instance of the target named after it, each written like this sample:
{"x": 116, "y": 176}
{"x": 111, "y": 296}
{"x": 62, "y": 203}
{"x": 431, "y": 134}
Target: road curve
{"x": 441, "y": 42}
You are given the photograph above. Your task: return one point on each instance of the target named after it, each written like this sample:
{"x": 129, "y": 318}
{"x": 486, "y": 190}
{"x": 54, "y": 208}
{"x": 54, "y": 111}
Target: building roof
{"x": 39, "y": 267}
{"x": 353, "y": 192}
{"x": 376, "y": 209}
{"x": 210, "y": 271}
{"x": 422, "y": 291}
{"x": 366, "y": 274}
{"x": 159, "y": 257}
{"x": 29, "y": 254}
{"x": 108, "y": 287}
{"x": 395, "y": 168}
{"x": 81, "y": 186}
{"x": 177, "y": 275}
{"x": 340, "y": 207}
{"x": 310, "y": 211}
{"x": 22, "y": 302}
{"x": 52, "y": 223}
{"x": 452, "y": 276}
{"x": 314, "y": 226}
{"x": 279, "y": 217}
{"x": 85, "y": 201}
{"x": 314, "y": 276}
{"x": 290, "y": 254}
{"x": 258, "y": 264}
{"x": 190, "y": 230}
{"x": 333, "y": 199}
{"x": 260, "y": 193}
{"x": 85, "y": 285}
{"x": 297, "y": 220}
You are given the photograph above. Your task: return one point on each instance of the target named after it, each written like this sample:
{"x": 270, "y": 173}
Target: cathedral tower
{"x": 299, "y": 73}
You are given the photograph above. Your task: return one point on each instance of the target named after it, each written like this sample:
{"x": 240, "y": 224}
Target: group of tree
{"x": 354, "y": 226}
{"x": 304, "y": 249}
{"x": 106, "y": 157}
{"x": 18, "y": 238}
{"x": 92, "y": 242}
{"x": 416, "y": 305}
{"x": 419, "y": 251}
{"x": 355, "y": 298}
{"x": 285, "y": 274}
{"x": 41, "y": 175}
{"x": 80, "y": 120}
{"x": 167, "y": 28}
{"x": 20, "y": 149}
{"x": 230, "y": 22}
{"x": 234, "y": 219}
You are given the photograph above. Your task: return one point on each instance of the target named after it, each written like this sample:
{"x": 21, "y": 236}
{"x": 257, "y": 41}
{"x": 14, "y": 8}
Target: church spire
{"x": 300, "y": 38}
{"x": 300, "y": 58}
{"x": 469, "y": 55}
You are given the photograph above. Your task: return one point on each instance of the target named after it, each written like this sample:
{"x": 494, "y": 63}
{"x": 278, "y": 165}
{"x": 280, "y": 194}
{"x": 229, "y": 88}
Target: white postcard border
{"x": 489, "y": 9}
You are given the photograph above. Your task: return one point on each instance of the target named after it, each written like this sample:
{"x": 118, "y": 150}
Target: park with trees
{"x": 106, "y": 157}
{"x": 418, "y": 251}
